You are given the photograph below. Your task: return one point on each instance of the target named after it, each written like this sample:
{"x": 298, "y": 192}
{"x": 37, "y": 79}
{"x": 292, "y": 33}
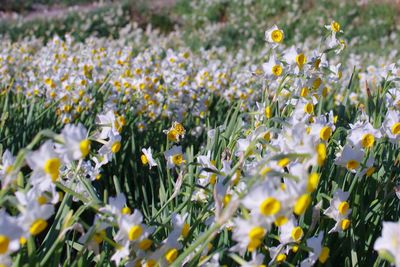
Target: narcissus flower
{"x": 388, "y": 245}
{"x": 6, "y": 168}
{"x": 273, "y": 68}
{"x": 391, "y": 126}
{"x": 350, "y": 158}
{"x": 317, "y": 253}
{"x": 45, "y": 163}
{"x": 174, "y": 157}
{"x": 10, "y": 233}
{"x": 339, "y": 210}
{"x": 274, "y": 36}
{"x": 34, "y": 218}
{"x": 147, "y": 158}
{"x": 76, "y": 143}
{"x": 249, "y": 234}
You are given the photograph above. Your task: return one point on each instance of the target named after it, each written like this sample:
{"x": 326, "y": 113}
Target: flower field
{"x": 201, "y": 133}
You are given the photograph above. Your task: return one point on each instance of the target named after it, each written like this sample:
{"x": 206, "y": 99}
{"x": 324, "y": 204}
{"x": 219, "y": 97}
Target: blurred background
{"x": 369, "y": 25}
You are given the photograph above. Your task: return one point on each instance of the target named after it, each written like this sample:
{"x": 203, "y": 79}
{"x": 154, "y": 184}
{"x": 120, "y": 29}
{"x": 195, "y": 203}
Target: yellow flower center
{"x": 345, "y": 224}
{"x": 367, "y": 140}
{"x": 37, "y": 227}
{"x": 335, "y": 26}
{"x": 321, "y": 153}
{"x": 316, "y": 63}
{"x": 281, "y": 220}
{"x": 309, "y": 108}
{"x": 301, "y": 60}
{"x": 226, "y": 199}
{"x": 324, "y": 254}
{"x": 302, "y": 204}
{"x": 22, "y": 240}
{"x": 51, "y": 167}
{"x": 396, "y": 128}
{"x": 313, "y": 180}
{"x": 253, "y": 244}
{"x": 171, "y": 255}
{"x": 150, "y": 263}
{"x": 265, "y": 170}
{"x": 283, "y": 162}
{"x": 144, "y": 160}
{"x": 179, "y": 128}
{"x": 281, "y": 257}
{"x": 99, "y": 236}
{"x": 297, "y": 233}
{"x": 4, "y": 242}
{"x": 177, "y": 159}
{"x": 268, "y": 112}
{"x": 116, "y": 147}
{"x": 277, "y": 36}
{"x": 270, "y": 206}
{"x": 325, "y": 133}
{"x": 213, "y": 179}
{"x": 277, "y": 70}
{"x": 370, "y": 171}
{"x": 343, "y": 207}
{"x": 256, "y": 232}
{"x": 145, "y": 244}
{"x": 9, "y": 169}
{"x": 126, "y": 210}
{"x": 173, "y": 135}
{"x": 135, "y": 232}
{"x": 304, "y": 92}
{"x": 185, "y": 230}
{"x": 84, "y": 146}
{"x": 352, "y": 164}
{"x": 317, "y": 83}
{"x": 42, "y": 200}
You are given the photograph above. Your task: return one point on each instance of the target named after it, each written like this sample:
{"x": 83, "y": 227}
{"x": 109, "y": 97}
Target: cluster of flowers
{"x": 157, "y": 81}
{"x": 265, "y": 184}
{"x": 66, "y": 164}
{"x": 279, "y": 166}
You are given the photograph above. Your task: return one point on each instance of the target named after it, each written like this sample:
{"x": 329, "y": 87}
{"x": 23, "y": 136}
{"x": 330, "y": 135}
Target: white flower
{"x": 389, "y": 242}
{"x": 267, "y": 200}
{"x": 107, "y": 124}
{"x": 174, "y": 157}
{"x": 45, "y": 164}
{"x": 339, "y": 210}
{"x": 290, "y": 232}
{"x": 117, "y": 206}
{"x": 120, "y": 253}
{"x": 147, "y": 158}
{"x": 112, "y": 146}
{"x": 274, "y": 36}
{"x": 318, "y": 252}
{"x": 249, "y": 234}
{"x": 363, "y": 135}
{"x": 36, "y": 195}
{"x": 131, "y": 228}
{"x": 10, "y": 233}
{"x": 391, "y": 126}
{"x": 6, "y": 168}
{"x": 295, "y": 58}
{"x": 34, "y": 218}
{"x": 273, "y": 68}
{"x": 76, "y": 145}
{"x": 96, "y": 233}
{"x": 350, "y": 158}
